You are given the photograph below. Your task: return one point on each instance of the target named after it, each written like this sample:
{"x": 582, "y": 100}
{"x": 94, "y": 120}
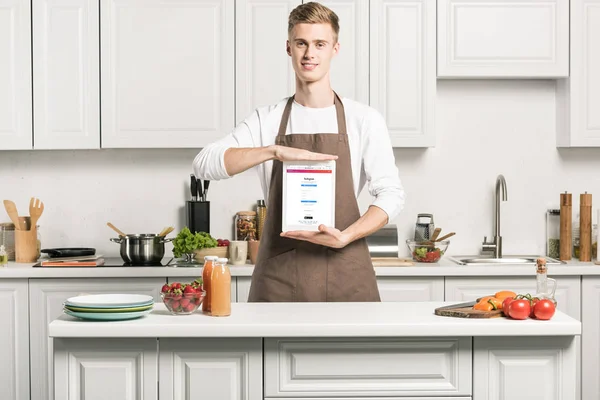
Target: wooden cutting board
{"x": 391, "y": 262}
{"x": 465, "y": 310}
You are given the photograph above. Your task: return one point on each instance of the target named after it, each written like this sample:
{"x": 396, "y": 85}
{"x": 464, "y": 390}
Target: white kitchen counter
{"x": 443, "y": 268}
{"x": 313, "y": 320}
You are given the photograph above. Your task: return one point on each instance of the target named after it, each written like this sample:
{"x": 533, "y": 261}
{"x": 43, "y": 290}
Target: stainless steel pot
{"x": 143, "y": 249}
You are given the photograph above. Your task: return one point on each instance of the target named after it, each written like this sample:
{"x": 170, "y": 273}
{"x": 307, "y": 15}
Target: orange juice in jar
{"x": 206, "y": 277}
{"x": 220, "y": 289}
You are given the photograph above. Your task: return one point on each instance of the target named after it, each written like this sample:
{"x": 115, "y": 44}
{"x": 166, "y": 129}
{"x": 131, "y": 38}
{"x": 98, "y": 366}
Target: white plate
{"x": 110, "y": 300}
{"x": 107, "y": 316}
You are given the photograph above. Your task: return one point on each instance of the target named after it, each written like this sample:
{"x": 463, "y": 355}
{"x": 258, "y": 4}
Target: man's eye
{"x": 320, "y": 45}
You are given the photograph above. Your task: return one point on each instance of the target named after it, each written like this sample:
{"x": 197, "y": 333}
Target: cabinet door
{"x": 402, "y": 74}
{"x": 46, "y": 297}
{"x": 189, "y": 279}
{"x": 411, "y": 288}
{"x": 15, "y": 75}
{"x": 490, "y": 38}
{"x": 466, "y": 289}
{"x": 167, "y": 70}
{"x": 264, "y": 73}
{"x": 350, "y": 68}
{"x": 224, "y": 369}
{"x": 98, "y": 369}
{"x": 590, "y": 351}
{"x": 66, "y": 74}
{"x": 14, "y": 341}
{"x": 578, "y": 98}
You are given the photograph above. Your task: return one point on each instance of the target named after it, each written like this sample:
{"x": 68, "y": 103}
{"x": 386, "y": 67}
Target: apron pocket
{"x": 275, "y": 279}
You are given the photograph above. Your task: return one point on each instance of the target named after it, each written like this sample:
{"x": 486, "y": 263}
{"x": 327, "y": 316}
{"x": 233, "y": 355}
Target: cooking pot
{"x": 142, "y": 249}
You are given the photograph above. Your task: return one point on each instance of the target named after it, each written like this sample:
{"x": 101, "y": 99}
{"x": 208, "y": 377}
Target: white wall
{"x": 484, "y": 128}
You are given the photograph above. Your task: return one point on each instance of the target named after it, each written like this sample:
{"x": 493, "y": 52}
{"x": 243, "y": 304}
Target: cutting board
{"x": 391, "y": 262}
{"x": 465, "y": 310}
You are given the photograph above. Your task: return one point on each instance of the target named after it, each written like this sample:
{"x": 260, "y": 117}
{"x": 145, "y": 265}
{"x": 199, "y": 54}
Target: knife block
{"x": 26, "y": 247}
{"x": 198, "y": 216}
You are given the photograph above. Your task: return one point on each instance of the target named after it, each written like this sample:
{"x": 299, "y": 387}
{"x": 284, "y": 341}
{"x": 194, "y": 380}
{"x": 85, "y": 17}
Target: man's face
{"x": 312, "y": 46}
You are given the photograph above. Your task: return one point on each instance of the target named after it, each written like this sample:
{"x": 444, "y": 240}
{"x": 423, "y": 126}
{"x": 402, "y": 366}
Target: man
{"x": 332, "y": 264}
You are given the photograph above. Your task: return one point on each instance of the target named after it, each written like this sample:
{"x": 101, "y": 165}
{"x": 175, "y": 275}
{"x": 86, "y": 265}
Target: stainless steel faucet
{"x": 496, "y": 245}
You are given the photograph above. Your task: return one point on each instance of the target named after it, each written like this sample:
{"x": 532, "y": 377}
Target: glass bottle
{"x": 542, "y": 280}
{"x": 206, "y": 281}
{"x": 261, "y": 213}
{"x": 220, "y": 289}
{"x": 553, "y": 233}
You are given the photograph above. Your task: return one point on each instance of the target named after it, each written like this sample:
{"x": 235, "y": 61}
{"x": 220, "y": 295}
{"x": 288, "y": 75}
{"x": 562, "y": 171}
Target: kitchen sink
{"x": 506, "y": 260}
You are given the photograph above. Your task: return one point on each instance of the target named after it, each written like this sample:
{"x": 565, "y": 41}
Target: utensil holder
{"x": 198, "y": 216}
{"x": 26, "y": 248}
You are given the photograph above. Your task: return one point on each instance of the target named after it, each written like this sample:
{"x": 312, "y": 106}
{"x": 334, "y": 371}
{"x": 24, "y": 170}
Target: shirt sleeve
{"x": 209, "y": 163}
{"x": 380, "y": 167}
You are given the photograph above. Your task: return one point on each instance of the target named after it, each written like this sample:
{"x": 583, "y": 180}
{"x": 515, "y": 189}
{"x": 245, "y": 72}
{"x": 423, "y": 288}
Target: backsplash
{"x": 484, "y": 128}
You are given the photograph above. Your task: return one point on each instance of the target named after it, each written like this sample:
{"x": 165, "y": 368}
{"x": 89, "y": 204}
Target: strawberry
{"x": 176, "y": 285}
{"x": 176, "y": 294}
{"x": 175, "y": 305}
{"x": 189, "y": 289}
{"x": 165, "y": 288}
{"x": 184, "y": 302}
{"x": 189, "y": 307}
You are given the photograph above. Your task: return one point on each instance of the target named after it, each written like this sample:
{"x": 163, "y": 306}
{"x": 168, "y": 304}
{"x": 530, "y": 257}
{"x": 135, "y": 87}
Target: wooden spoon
{"x": 11, "y": 209}
{"x": 114, "y": 228}
{"x": 36, "y": 208}
{"x": 446, "y": 236}
{"x": 166, "y": 231}
{"x": 436, "y": 233}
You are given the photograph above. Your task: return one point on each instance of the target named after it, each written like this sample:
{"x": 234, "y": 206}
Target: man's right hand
{"x": 284, "y": 153}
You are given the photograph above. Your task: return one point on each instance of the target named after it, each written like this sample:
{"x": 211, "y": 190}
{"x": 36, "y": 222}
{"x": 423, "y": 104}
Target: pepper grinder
{"x": 565, "y": 226}
{"x": 585, "y": 226}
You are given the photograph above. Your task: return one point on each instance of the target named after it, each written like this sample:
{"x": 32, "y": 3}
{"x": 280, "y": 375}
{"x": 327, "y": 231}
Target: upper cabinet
{"x": 513, "y": 39}
{"x": 402, "y": 74}
{"x": 15, "y": 75}
{"x": 264, "y": 73}
{"x": 167, "y": 72}
{"x": 578, "y": 98}
{"x": 66, "y": 74}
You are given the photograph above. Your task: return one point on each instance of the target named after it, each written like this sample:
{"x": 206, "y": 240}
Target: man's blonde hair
{"x": 314, "y": 13}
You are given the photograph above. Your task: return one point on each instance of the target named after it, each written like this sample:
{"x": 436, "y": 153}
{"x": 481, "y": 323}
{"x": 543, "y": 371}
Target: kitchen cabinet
{"x": 411, "y": 288}
{"x": 578, "y": 98}
{"x": 524, "y": 368}
{"x": 97, "y": 369}
{"x": 14, "y": 340}
{"x": 15, "y": 75}
{"x": 167, "y": 71}
{"x": 243, "y": 288}
{"x": 46, "y": 297}
{"x": 189, "y": 279}
{"x": 402, "y": 73}
{"x": 590, "y": 354}
{"x": 492, "y": 39}
{"x": 264, "y": 73}
{"x": 66, "y": 74}
{"x": 224, "y": 369}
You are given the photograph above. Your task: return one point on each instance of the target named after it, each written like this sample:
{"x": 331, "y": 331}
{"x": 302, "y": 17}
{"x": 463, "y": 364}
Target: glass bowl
{"x": 427, "y": 252}
{"x": 183, "y": 304}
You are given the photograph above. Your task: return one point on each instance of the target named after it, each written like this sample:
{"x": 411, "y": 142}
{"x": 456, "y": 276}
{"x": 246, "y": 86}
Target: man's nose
{"x": 308, "y": 54}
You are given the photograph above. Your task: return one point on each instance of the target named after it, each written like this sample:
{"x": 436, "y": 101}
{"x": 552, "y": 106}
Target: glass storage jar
{"x": 7, "y": 238}
{"x": 553, "y": 233}
{"x": 245, "y": 225}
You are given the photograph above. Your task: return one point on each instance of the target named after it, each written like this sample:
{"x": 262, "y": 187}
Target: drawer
{"x": 372, "y": 398}
{"x": 368, "y": 367}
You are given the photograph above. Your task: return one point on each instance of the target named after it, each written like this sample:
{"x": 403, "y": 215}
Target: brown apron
{"x": 290, "y": 270}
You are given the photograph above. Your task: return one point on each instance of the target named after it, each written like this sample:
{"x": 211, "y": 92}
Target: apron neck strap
{"x": 339, "y": 111}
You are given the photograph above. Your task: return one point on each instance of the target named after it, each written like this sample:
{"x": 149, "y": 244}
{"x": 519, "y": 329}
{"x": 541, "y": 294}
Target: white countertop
{"x": 443, "y": 268}
{"x": 383, "y": 319}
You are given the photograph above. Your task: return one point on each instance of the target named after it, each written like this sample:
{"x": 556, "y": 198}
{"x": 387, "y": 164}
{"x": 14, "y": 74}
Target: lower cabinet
{"x": 14, "y": 340}
{"x": 224, "y": 369}
{"x": 590, "y": 338}
{"x": 46, "y": 298}
{"x": 367, "y": 367}
{"x": 100, "y": 369}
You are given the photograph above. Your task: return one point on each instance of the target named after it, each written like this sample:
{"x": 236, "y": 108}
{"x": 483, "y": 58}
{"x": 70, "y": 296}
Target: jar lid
{"x": 9, "y": 226}
{"x": 223, "y": 260}
{"x": 247, "y": 213}
{"x": 210, "y": 258}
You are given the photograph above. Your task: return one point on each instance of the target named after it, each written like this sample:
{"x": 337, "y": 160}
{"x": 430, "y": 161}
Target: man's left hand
{"x": 326, "y": 236}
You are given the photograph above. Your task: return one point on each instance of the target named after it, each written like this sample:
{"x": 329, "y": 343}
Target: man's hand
{"x": 284, "y": 153}
{"x": 326, "y": 236}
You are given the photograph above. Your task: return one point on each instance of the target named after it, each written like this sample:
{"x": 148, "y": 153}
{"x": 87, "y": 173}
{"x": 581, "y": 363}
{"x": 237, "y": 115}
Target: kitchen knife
{"x": 193, "y": 187}
{"x": 199, "y": 186}
{"x": 206, "y": 183}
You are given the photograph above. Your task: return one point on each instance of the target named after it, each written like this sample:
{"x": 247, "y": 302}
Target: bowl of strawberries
{"x": 183, "y": 298}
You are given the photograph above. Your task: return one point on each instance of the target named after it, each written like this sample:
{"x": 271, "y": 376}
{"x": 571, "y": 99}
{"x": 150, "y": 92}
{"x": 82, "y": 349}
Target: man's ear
{"x": 336, "y": 48}
{"x": 288, "y": 48}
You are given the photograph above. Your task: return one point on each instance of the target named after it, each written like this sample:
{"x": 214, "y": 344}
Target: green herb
{"x": 186, "y": 242}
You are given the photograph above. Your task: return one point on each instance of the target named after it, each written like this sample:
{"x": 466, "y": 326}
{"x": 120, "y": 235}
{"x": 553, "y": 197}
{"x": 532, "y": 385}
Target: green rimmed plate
{"x": 108, "y": 310}
{"x": 107, "y": 316}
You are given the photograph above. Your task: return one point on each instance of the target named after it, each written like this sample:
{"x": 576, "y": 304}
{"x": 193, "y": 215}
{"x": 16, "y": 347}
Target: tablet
{"x": 308, "y": 195}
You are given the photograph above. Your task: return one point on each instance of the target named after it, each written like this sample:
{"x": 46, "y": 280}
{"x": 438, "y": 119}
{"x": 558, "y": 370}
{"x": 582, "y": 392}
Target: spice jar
{"x": 553, "y": 233}
{"x": 245, "y": 225}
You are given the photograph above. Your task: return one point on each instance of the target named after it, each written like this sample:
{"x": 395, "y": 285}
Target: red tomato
{"x": 534, "y": 301}
{"x": 505, "y": 304}
{"x": 544, "y": 309}
{"x": 519, "y": 309}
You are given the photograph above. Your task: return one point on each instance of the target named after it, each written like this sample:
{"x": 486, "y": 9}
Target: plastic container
{"x": 553, "y": 233}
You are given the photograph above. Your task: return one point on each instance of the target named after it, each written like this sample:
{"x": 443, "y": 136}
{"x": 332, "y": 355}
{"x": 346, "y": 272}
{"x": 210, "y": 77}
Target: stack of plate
{"x": 109, "y": 307}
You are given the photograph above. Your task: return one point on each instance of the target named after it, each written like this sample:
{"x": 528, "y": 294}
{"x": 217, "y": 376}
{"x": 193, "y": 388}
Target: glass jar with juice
{"x": 206, "y": 276}
{"x": 220, "y": 289}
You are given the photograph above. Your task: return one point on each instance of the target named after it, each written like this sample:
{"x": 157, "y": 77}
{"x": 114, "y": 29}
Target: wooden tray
{"x": 465, "y": 310}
